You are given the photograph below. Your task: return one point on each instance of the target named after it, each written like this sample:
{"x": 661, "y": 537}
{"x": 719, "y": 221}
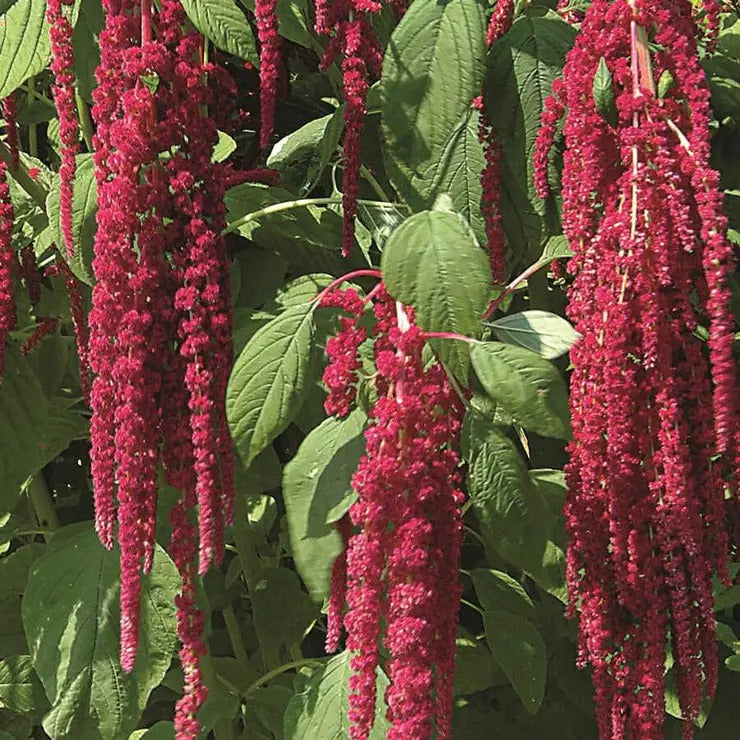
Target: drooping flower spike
{"x": 405, "y": 532}
{"x": 654, "y": 420}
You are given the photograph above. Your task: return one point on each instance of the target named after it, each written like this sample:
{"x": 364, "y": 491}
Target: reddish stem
{"x": 345, "y": 278}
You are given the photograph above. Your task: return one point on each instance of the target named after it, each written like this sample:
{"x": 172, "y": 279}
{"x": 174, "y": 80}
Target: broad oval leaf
{"x": 556, "y": 247}
{"x": 84, "y": 210}
{"x": 433, "y": 68}
{"x": 527, "y": 386}
{"x": 433, "y": 262}
{"x": 321, "y": 710}
{"x": 223, "y": 23}
{"x": 517, "y": 646}
{"x": 545, "y": 333}
{"x": 71, "y": 618}
{"x": 269, "y": 380}
{"x": 314, "y": 482}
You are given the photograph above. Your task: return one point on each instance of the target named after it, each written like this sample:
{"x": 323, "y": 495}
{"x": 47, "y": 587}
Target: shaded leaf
{"x": 517, "y": 646}
{"x": 71, "y": 617}
{"x": 433, "y": 68}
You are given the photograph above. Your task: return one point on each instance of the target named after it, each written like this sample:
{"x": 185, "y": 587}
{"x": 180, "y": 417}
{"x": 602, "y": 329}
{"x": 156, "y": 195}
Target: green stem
{"x": 237, "y": 643}
{"x": 280, "y": 669}
{"x": 289, "y": 205}
{"x": 376, "y": 186}
{"x": 40, "y": 497}
{"x": 86, "y": 126}
{"x": 21, "y": 176}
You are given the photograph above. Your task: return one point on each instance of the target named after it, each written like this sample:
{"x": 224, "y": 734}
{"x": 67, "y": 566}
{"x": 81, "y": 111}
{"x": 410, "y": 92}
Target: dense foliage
{"x": 297, "y": 438}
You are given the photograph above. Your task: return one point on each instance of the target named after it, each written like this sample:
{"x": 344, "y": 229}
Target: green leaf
{"x": 498, "y": 591}
{"x": 269, "y": 380}
{"x": 545, "y": 333}
{"x": 25, "y": 47}
{"x": 223, "y": 23}
{"x": 282, "y": 611}
{"x": 159, "y": 731}
{"x": 86, "y": 46}
{"x": 521, "y": 69}
{"x": 433, "y": 68}
{"x": 12, "y": 639}
{"x": 665, "y": 83}
{"x": 517, "y": 646}
{"x": 527, "y": 386}
{"x": 313, "y": 481}
{"x": 512, "y": 512}
{"x": 302, "y": 155}
{"x": 556, "y": 248}
{"x": 603, "y": 93}
{"x": 14, "y": 569}
{"x": 432, "y": 262}
{"x": 475, "y": 669}
{"x": 84, "y": 209}
{"x": 224, "y": 147}
{"x": 294, "y": 23}
{"x": 20, "y": 689}
{"x": 321, "y": 709}
{"x": 24, "y": 412}
{"x": 71, "y": 617}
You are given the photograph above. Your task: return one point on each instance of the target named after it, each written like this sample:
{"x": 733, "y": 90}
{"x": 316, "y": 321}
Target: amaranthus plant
{"x": 349, "y": 349}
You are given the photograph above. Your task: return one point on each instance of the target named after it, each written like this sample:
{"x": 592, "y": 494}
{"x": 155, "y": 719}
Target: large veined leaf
{"x": 269, "y": 380}
{"x": 314, "y": 482}
{"x": 24, "y": 44}
{"x": 432, "y": 262}
{"x": 223, "y": 23}
{"x": 25, "y": 48}
{"x": 71, "y": 618}
{"x": 20, "y": 690}
{"x": 84, "y": 208}
{"x": 527, "y": 386}
{"x": 517, "y": 646}
{"x": 498, "y": 591}
{"x": 512, "y": 512}
{"x": 545, "y": 333}
{"x": 433, "y": 68}
{"x": 321, "y": 709}
{"x": 521, "y": 69}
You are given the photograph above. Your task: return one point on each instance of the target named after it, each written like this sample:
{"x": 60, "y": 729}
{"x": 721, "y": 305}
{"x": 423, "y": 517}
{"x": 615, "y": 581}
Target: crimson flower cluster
{"x": 265, "y": 12}
{"x": 498, "y": 25}
{"x": 655, "y": 422}
{"x": 160, "y": 324}
{"x": 353, "y": 42}
{"x": 62, "y": 65}
{"x": 404, "y": 535}
{"x": 7, "y": 257}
